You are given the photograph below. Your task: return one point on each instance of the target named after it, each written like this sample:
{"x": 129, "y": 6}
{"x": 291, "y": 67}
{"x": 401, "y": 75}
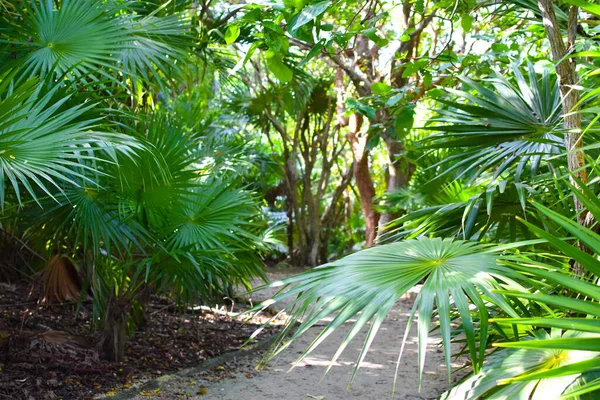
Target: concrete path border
{"x": 158, "y": 383}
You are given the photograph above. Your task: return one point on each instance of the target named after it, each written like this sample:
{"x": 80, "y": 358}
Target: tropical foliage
{"x": 505, "y": 164}
{"x": 99, "y": 169}
{"x": 171, "y": 147}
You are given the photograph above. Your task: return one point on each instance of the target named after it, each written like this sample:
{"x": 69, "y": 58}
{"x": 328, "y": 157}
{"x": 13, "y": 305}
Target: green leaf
{"x": 357, "y": 106}
{"x": 427, "y": 79}
{"x": 580, "y": 306}
{"x": 586, "y": 5}
{"x": 395, "y": 99}
{"x": 410, "y": 69}
{"x": 373, "y": 34}
{"x": 580, "y": 324}
{"x": 232, "y": 33}
{"x": 279, "y": 69}
{"x": 308, "y": 14}
{"x": 380, "y": 88}
{"x": 466, "y": 22}
{"x": 403, "y": 123}
{"x": 579, "y": 343}
{"x": 314, "y": 51}
{"x": 499, "y": 47}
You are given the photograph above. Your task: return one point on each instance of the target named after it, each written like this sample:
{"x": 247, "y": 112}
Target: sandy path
{"x": 374, "y": 379}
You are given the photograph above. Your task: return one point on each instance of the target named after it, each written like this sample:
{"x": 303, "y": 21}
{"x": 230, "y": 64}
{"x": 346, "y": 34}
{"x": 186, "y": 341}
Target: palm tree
{"x": 106, "y": 175}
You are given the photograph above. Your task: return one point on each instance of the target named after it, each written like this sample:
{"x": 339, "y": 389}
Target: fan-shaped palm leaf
{"x": 152, "y": 45}
{"x": 89, "y": 217}
{"x": 213, "y": 217}
{"x": 90, "y": 39}
{"x": 509, "y": 125}
{"x": 44, "y": 143}
{"x": 369, "y": 282}
{"x": 77, "y": 36}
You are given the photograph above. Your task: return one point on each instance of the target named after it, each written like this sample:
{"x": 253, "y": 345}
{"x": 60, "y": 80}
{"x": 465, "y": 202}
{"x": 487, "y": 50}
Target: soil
{"x": 48, "y": 351}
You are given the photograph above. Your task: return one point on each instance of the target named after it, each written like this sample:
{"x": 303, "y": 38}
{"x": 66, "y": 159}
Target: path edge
{"x": 158, "y": 383}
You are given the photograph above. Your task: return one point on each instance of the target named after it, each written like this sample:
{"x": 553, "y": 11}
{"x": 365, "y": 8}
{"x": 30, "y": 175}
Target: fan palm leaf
{"x": 91, "y": 40}
{"x": 511, "y": 125}
{"x": 369, "y": 282}
{"x": 89, "y": 217}
{"x": 43, "y": 143}
{"x": 212, "y": 218}
{"x": 77, "y": 36}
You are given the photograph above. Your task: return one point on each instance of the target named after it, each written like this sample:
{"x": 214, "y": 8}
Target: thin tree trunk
{"x": 290, "y": 227}
{"x": 567, "y": 80}
{"x": 362, "y": 178}
{"x": 328, "y": 219}
{"x": 396, "y": 177}
{"x": 360, "y": 165}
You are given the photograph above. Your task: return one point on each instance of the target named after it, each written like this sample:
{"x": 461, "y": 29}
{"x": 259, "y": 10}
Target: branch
{"x": 359, "y": 79}
{"x": 228, "y": 16}
{"x": 339, "y": 190}
{"x": 422, "y": 25}
{"x": 277, "y": 125}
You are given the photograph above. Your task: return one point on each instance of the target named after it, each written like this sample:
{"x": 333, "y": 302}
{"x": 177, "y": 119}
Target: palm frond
{"x": 509, "y": 125}
{"x": 213, "y": 217}
{"x": 577, "y": 299}
{"x": 42, "y": 143}
{"x": 369, "y": 283}
{"x": 90, "y": 41}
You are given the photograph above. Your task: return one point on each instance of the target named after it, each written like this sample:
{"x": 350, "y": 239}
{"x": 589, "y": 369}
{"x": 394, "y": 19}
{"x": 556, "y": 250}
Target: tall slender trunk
{"x": 360, "y": 165}
{"x": 290, "y": 227}
{"x": 332, "y": 212}
{"x": 567, "y": 81}
{"x": 362, "y": 178}
{"x": 397, "y": 176}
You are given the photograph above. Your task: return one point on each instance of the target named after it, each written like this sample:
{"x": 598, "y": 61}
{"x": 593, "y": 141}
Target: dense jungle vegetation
{"x": 175, "y": 148}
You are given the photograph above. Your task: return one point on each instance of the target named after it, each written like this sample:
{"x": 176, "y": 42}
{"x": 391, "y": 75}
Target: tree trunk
{"x": 362, "y": 178}
{"x": 567, "y": 81}
{"x": 114, "y": 334}
{"x": 397, "y": 176}
{"x": 329, "y": 217}
{"x": 358, "y": 143}
{"x": 290, "y": 227}
{"x": 294, "y": 215}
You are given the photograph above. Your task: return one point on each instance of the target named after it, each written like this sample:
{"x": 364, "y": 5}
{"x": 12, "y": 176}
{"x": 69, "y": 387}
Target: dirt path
{"x": 239, "y": 380}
